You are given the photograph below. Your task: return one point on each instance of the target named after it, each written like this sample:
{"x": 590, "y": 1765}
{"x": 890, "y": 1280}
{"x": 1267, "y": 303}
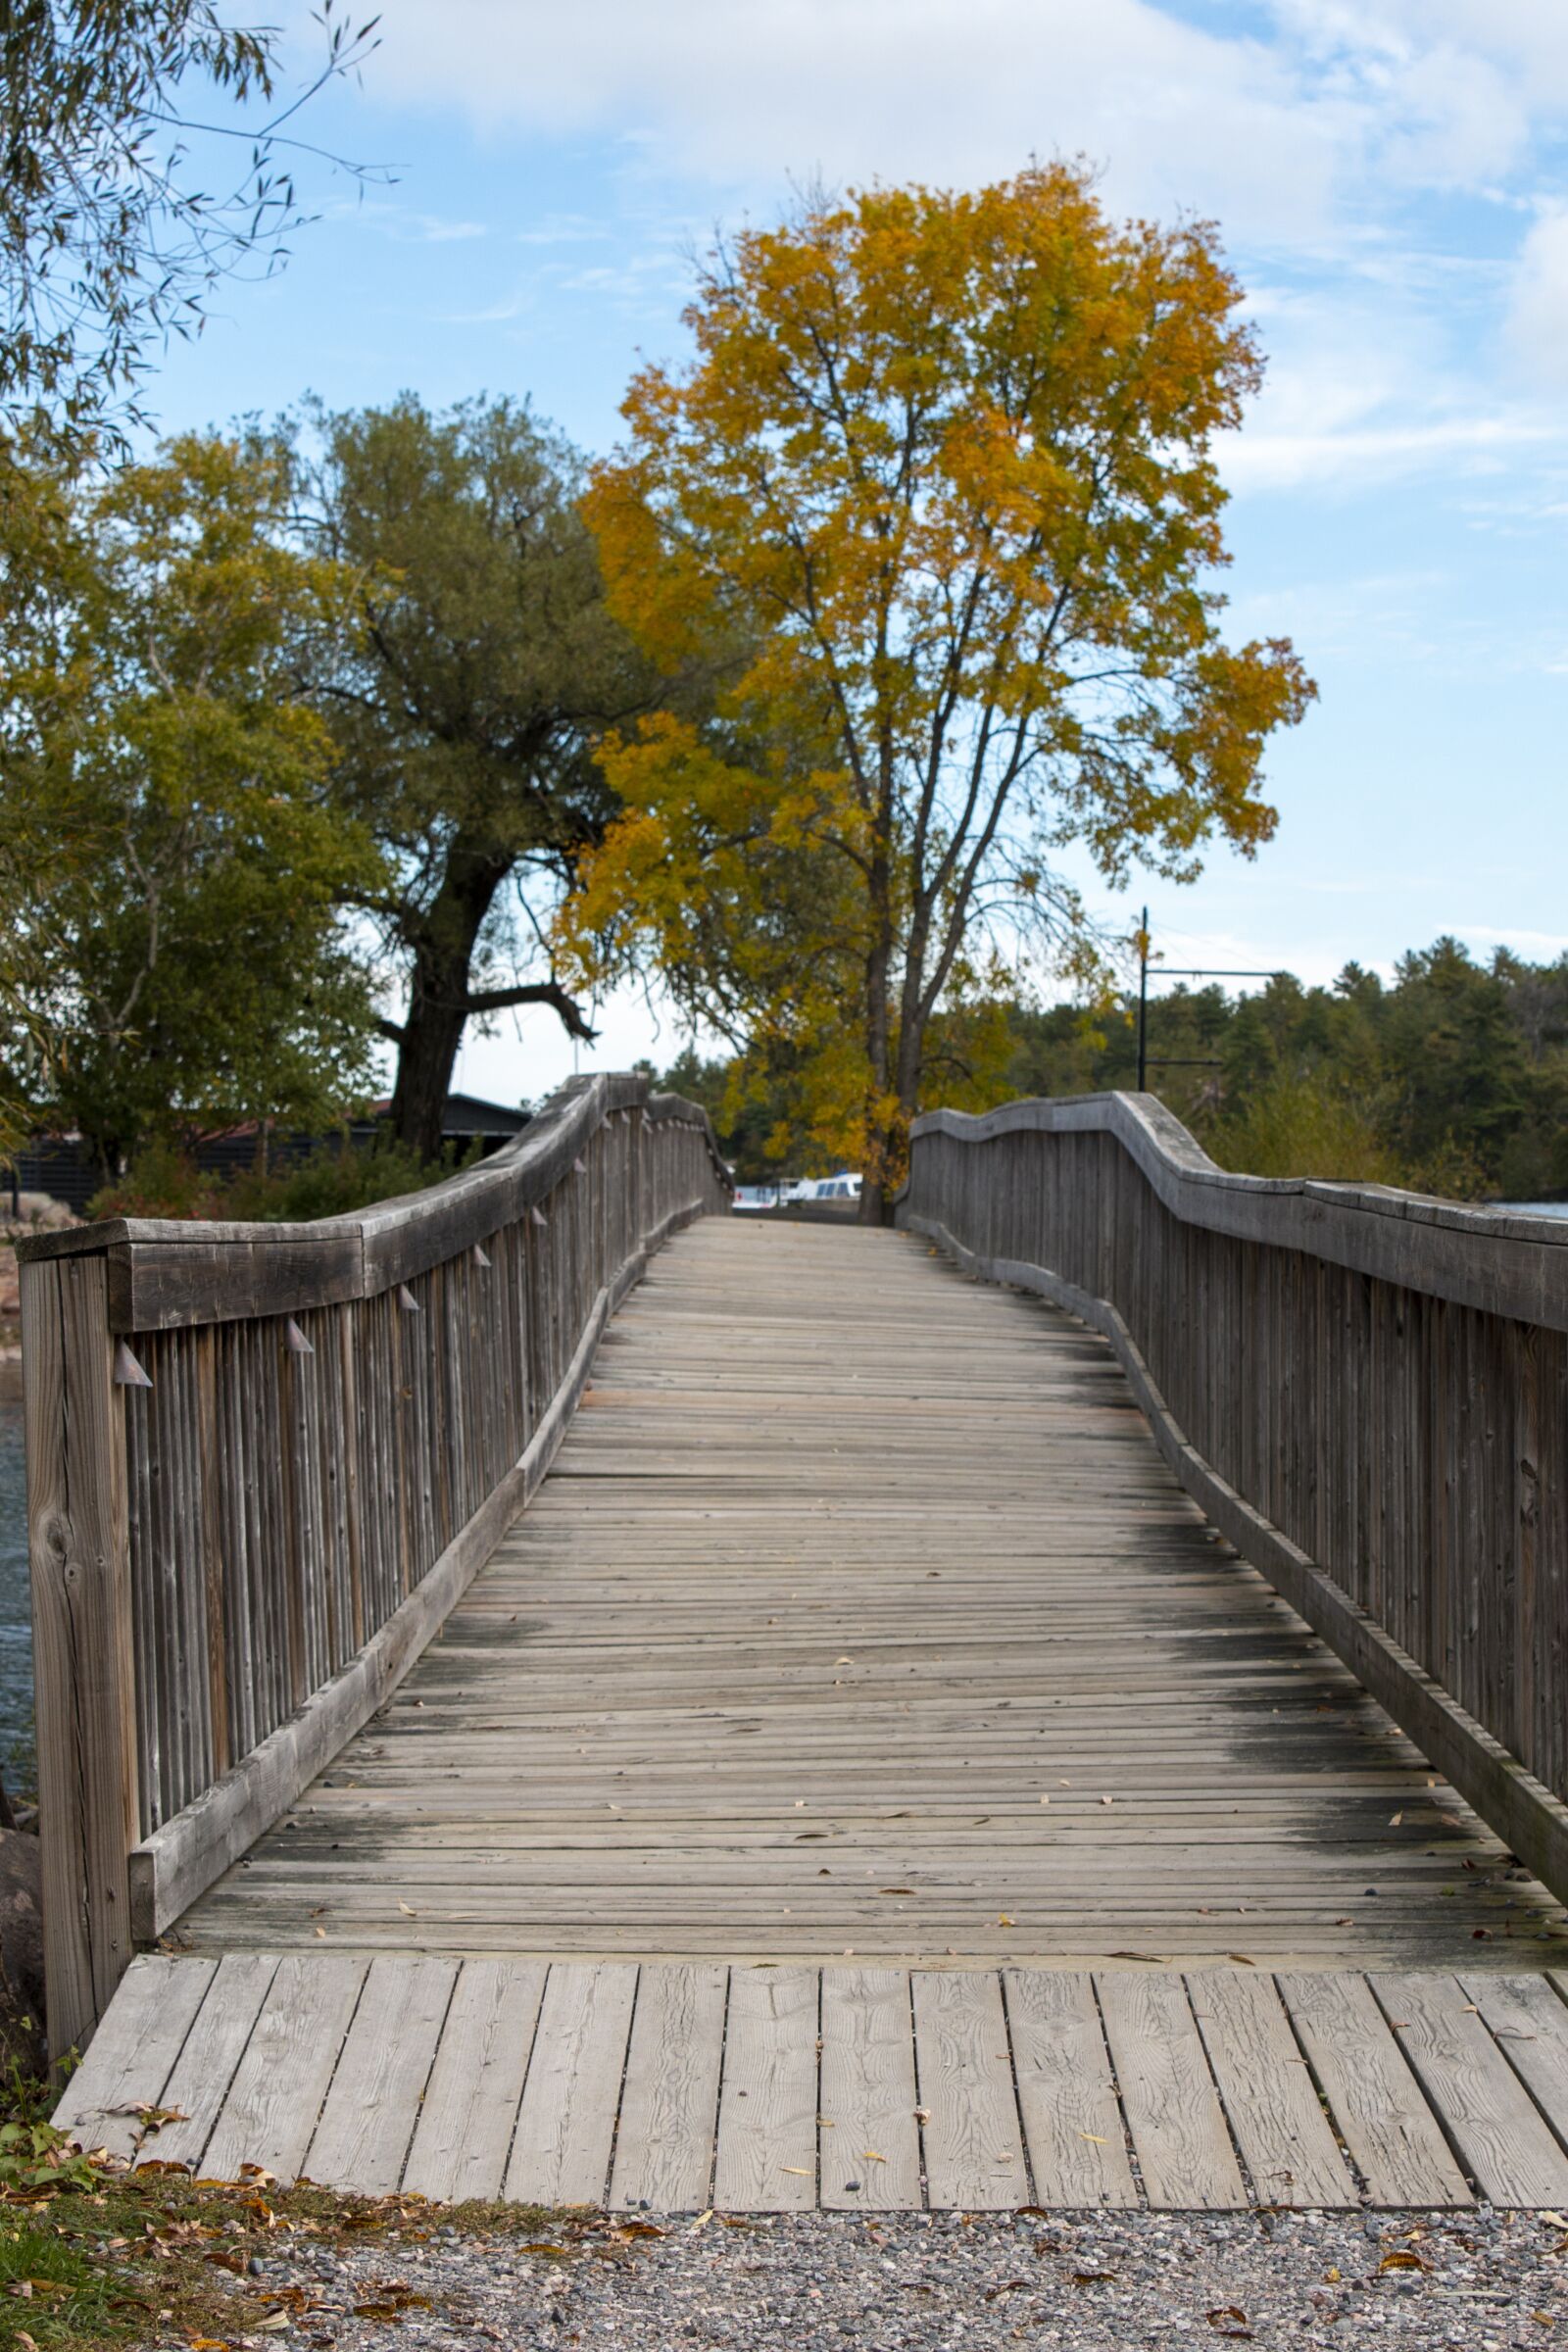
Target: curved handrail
{"x": 1363, "y": 1389}
{"x": 169, "y": 1271}
{"x": 1375, "y": 1229}
{"x": 263, "y": 1461}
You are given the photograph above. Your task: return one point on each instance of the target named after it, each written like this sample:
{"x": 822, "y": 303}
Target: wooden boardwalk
{"x": 861, "y": 1779}
{"x": 676, "y": 2089}
{"x": 859, "y": 1617}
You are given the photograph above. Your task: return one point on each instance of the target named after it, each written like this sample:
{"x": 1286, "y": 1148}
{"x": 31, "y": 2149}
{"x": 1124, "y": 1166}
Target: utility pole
{"x": 1143, "y": 1001}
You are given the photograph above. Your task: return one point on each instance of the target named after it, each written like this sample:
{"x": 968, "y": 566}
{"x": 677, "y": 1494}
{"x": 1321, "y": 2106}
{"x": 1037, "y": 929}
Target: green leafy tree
{"x": 177, "y": 856}
{"x": 124, "y": 202}
{"x": 466, "y": 706}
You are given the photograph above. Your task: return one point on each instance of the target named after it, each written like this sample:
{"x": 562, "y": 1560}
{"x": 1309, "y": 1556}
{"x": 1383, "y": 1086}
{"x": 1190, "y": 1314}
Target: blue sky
{"x": 1390, "y": 179}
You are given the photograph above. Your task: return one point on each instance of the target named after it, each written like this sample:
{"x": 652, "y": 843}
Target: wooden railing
{"x": 265, "y": 1461}
{"x": 1368, "y": 1391}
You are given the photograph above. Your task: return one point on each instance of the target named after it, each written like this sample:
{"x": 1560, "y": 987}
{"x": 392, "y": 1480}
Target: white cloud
{"x": 1276, "y": 134}
{"x": 951, "y": 90}
{"x": 1538, "y": 320}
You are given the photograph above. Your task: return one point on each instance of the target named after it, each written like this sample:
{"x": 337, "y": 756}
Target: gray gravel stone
{"x": 1480, "y": 2282}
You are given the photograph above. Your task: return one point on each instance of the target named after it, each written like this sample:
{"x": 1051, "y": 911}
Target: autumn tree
{"x": 948, "y": 462}
{"x": 466, "y": 708}
{"x": 173, "y": 858}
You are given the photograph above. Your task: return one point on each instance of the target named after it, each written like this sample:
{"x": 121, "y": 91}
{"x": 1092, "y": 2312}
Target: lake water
{"x": 16, "y": 1615}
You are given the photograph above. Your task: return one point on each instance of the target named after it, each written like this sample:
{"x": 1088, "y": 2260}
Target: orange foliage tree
{"x": 941, "y": 473}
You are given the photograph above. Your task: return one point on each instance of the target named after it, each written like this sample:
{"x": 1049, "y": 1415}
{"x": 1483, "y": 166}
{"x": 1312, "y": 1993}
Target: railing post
{"x": 83, "y": 1672}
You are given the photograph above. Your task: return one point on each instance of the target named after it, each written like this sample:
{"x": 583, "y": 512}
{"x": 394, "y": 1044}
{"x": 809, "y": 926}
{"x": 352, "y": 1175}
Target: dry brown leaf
{"x": 1401, "y": 2259}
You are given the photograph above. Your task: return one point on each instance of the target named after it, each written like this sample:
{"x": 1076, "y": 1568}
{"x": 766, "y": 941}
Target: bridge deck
{"x": 861, "y": 1619}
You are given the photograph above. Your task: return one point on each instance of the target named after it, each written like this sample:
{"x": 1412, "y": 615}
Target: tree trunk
{"x": 439, "y": 986}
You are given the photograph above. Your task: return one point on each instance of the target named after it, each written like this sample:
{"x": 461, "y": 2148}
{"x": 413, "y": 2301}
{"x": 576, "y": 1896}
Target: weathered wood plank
{"x": 209, "y": 2056}
{"x": 82, "y": 1640}
{"x": 131, "y": 2059}
{"x": 369, "y": 2112}
{"x": 868, "y": 2133}
{"x": 766, "y": 2155}
{"x": 470, "y": 2110}
{"x": 1490, "y": 2119}
{"x": 1178, "y": 2131}
{"x": 567, "y": 2120}
{"x": 1268, "y": 2092}
{"x": 1382, "y": 2116}
{"x": 669, "y": 2101}
{"x": 974, "y": 2144}
{"x": 1072, "y": 2124}
{"x": 272, "y": 2107}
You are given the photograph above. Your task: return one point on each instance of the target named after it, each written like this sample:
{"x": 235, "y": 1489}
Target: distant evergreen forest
{"x": 1451, "y": 1078}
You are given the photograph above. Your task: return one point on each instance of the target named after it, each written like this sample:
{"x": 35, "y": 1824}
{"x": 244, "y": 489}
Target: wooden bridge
{"x": 1061, "y": 1703}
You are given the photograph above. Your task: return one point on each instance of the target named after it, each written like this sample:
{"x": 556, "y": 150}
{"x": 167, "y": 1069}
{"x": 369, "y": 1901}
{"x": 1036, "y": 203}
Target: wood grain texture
{"x": 134, "y": 2053}
{"x": 669, "y": 2100}
{"x": 766, "y": 2156}
{"x": 1072, "y": 2123}
{"x": 1268, "y": 2092}
{"x": 868, "y": 2133}
{"x": 369, "y": 2112}
{"x": 1178, "y": 2129}
{"x": 207, "y": 2059}
{"x": 1528, "y": 2018}
{"x": 819, "y": 2074}
{"x": 973, "y": 2145}
{"x": 1397, "y": 2145}
{"x": 567, "y": 2123}
{"x": 470, "y": 2110}
{"x": 1506, "y": 2147}
{"x": 272, "y": 2104}
{"x": 778, "y": 1666}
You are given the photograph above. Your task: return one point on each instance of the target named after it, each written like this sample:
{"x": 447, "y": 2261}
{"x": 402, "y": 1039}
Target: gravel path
{"x": 1477, "y": 2282}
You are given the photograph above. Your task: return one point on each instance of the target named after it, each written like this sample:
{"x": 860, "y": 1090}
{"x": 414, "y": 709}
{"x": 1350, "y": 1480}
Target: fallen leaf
{"x": 1091, "y": 2278}
{"x": 702, "y": 2220}
{"x": 1395, "y": 1820}
{"x": 802, "y": 2172}
{"x": 409, "y": 1910}
{"x": 1230, "y": 2320}
{"x": 922, "y": 2115}
{"x": 1241, "y": 1958}
{"x": 1331, "y": 2277}
{"x": 1094, "y": 2137}
{"x": 871, "y": 2156}
{"x": 1007, "y": 2286}
{"x": 1002, "y": 1921}
{"x": 1401, "y": 2259}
